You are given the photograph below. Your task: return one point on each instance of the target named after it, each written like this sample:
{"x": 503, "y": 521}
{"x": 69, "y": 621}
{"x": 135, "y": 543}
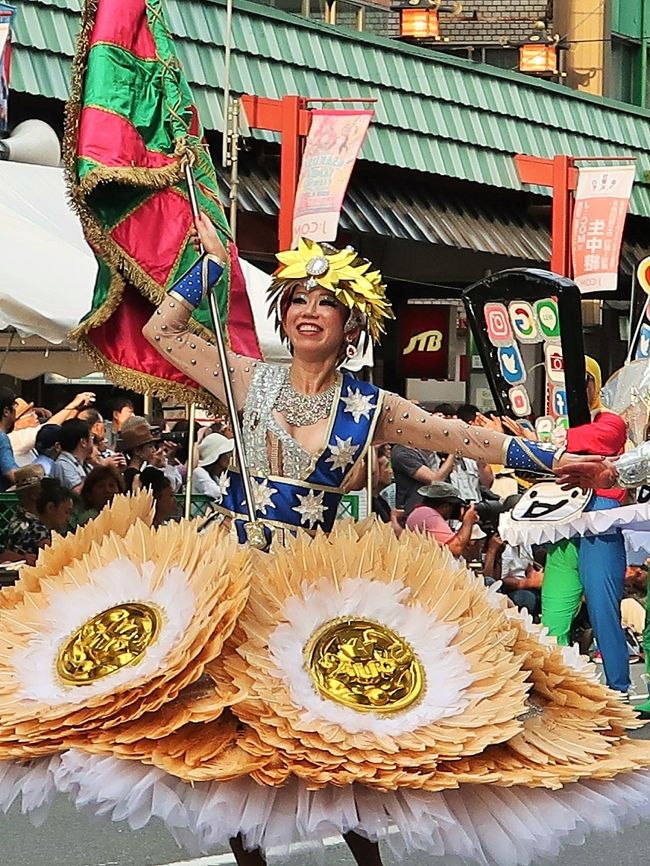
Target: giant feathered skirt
{"x": 344, "y": 682}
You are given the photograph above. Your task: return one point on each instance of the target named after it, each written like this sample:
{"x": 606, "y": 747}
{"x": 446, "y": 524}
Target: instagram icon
{"x": 497, "y": 322}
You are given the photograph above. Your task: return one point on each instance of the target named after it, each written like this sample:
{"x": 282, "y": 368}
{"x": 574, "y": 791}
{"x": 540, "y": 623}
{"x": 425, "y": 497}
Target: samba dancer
{"x": 306, "y": 426}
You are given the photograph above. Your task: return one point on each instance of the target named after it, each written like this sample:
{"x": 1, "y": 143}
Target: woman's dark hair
{"x": 52, "y": 492}
{"x": 183, "y": 426}
{"x": 155, "y": 480}
{"x": 95, "y": 477}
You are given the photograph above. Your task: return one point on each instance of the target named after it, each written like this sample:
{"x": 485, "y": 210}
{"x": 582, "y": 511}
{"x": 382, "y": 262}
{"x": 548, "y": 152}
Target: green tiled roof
{"x": 434, "y": 113}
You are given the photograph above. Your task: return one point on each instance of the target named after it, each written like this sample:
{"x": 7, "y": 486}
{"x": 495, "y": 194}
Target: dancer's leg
{"x": 365, "y": 852}
{"x": 644, "y": 708}
{"x": 602, "y": 571}
{"x": 244, "y": 857}
{"x": 561, "y": 590}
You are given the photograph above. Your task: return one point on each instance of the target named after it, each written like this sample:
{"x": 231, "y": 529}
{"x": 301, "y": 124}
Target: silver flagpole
{"x": 191, "y": 438}
{"x": 254, "y": 528}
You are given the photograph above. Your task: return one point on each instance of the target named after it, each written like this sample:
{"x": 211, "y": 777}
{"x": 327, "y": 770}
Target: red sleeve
{"x": 605, "y": 435}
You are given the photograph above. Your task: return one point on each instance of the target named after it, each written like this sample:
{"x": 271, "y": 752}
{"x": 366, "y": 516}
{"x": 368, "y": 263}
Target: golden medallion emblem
{"x": 113, "y": 639}
{"x": 364, "y": 665}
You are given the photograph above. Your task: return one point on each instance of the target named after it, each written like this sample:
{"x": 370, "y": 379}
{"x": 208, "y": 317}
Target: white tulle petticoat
{"x": 483, "y": 824}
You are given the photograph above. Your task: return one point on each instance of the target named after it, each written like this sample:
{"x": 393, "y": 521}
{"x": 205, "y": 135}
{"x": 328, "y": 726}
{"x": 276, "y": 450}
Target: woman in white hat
{"x": 214, "y": 457}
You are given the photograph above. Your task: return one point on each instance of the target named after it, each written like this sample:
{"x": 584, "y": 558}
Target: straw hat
{"x": 136, "y": 434}
{"x": 22, "y": 407}
{"x": 27, "y": 476}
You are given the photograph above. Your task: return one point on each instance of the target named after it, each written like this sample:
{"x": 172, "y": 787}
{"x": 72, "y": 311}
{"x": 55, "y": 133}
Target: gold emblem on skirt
{"x": 364, "y": 665}
{"x": 113, "y": 639}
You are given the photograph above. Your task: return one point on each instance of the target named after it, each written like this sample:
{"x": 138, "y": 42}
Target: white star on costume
{"x": 263, "y": 495}
{"x": 224, "y": 483}
{"x": 358, "y": 404}
{"x": 342, "y": 453}
{"x": 311, "y": 508}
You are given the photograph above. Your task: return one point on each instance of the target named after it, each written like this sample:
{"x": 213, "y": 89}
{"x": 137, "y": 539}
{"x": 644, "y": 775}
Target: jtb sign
{"x": 424, "y": 341}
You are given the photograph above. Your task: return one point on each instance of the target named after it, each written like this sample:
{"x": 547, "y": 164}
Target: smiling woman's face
{"x": 314, "y": 323}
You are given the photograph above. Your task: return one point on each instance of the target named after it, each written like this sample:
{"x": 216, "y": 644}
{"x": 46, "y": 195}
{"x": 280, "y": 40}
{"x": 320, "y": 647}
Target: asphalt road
{"x": 70, "y": 839}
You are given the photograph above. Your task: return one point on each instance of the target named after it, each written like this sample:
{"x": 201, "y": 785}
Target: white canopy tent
{"x": 47, "y": 271}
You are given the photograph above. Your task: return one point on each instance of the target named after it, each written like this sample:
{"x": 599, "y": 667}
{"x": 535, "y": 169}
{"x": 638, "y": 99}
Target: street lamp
{"x": 538, "y": 52}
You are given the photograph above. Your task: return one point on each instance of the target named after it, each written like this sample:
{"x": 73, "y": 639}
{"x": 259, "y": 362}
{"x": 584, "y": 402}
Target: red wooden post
{"x": 561, "y": 217}
{"x": 290, "y": 158}
{"x": 560, "y": 174}
{"x": 291, "y": 118}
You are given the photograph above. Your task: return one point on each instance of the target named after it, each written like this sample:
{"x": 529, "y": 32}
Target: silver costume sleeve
{"x": 633, "y": 467}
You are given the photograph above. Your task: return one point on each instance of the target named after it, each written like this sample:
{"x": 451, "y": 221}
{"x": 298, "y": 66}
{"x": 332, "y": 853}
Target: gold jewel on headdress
{"x": 342, "y": 272}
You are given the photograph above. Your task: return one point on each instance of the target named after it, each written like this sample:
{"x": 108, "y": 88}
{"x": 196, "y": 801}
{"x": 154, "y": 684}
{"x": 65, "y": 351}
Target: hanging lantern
{"x": 419, "y": 23}
{"x": 538, "y": 52}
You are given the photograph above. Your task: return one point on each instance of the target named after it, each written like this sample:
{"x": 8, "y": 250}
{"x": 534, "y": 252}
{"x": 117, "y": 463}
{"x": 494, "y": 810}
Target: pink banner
{"x": 333, "y": 144}
{"x": 601, "y": 203}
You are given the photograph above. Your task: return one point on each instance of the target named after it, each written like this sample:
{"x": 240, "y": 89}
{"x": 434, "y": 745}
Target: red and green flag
{"x": 131, "y": 125}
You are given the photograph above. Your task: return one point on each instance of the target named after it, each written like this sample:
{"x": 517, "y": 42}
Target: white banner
{"x": 600, "y": 206}
{"x": 333, "y": 143}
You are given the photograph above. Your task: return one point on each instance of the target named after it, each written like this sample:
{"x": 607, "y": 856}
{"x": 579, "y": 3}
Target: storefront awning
{"x": 417, "y": 207}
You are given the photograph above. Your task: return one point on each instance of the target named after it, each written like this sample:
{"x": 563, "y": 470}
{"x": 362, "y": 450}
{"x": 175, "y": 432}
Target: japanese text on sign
{"x": 601, "y": 203}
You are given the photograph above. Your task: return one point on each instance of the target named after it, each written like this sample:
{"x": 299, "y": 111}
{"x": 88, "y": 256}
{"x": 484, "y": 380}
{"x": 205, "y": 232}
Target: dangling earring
{"x": 351, "y": 350}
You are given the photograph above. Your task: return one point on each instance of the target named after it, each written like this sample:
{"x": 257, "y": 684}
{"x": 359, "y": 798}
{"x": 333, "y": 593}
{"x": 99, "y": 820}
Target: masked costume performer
{"x": 593, "y": 566}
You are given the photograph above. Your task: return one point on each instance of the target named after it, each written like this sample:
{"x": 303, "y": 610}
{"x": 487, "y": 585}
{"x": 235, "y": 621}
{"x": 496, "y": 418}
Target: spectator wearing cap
{"x": 70, "y": 468}
{"x": 8, "y": 463}
{"x": 48, "y": 447}
{"x": 214, "y": 456}
{"x": 139, "y": 444}
{"x": 440, "y": 502}
{"x": 26, "y": 534}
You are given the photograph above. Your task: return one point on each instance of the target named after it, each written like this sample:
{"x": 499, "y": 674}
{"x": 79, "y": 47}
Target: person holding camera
{"x": 440, "y": 503}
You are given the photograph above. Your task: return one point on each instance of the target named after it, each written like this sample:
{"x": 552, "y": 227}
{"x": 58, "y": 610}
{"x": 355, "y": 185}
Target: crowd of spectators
{"x": 64, "y": 468}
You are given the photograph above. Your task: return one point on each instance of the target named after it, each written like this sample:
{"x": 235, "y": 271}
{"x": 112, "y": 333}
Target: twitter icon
{"x": 512, "y": 365}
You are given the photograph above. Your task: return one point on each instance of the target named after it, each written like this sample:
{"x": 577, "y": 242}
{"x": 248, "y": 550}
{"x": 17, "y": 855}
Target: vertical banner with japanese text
{"x": 601, "y": 202}
{"x": 6, "y": 16}
{"x": 332, "y": 147}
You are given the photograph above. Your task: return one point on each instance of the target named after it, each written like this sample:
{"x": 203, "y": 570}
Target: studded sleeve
{"x": 168, "y": 333}
{"x": 405, "y": 423}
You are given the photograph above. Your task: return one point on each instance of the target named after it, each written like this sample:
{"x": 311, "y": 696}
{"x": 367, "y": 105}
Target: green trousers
{"x": 562, "y": 590}
{"x": 645, "y": 643}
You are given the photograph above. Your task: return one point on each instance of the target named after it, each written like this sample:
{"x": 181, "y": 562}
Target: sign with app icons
{"x": 526, "y": 325}
{"x": 512, "y": 365}
{"x": 524, "y": 322}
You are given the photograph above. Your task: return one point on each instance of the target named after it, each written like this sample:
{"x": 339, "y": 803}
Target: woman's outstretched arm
{"x": 405, "y": 423}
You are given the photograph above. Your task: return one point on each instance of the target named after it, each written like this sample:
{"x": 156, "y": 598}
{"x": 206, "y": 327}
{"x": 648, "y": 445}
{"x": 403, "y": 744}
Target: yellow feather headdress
{"x": 349, "y": 277}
